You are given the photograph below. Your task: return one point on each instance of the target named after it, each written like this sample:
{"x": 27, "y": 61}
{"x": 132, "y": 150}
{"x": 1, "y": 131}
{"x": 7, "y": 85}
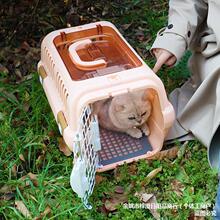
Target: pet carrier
{"x": 84, "y": 64}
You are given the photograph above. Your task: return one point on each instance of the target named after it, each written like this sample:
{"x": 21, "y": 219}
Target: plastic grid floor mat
{"x": 118, "y": 146}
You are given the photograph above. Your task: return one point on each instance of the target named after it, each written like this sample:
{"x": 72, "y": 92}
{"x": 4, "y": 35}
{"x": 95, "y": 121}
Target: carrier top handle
{"x": 84, "y": 65}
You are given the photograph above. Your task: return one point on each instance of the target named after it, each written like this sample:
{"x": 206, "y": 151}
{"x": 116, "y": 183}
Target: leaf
{"x": 44, "y": 213}
{"x": 21, "y": 156}
{"x": 10, "y": 96}
{"x": 177, "y": 187}
{"x": 8, "y": 196}
{"x": 51, "y": 134}
{"x": 153, "y": 173}
{"x": 18, "y": 73}
{"x": 63, "y": 147}
{"x": 3, "y": 69}
{"x": 150, "y": 201}
{"x": 117, "y": 174}
{"x": 182, "y": 175}
{"x": 103, "y": 210}
{"x": 132, "y": 169}
{"x": 25, "y": 46}
{"x": 197, "y": 216}
{"x": 117, "y": 199}
{"x": 154, "y": 211}
{"x": 2, "y": 116}
{"x": 105, "y": 10}
{"x": 26, "y": 106}
{"x": 39, "y": 161}
{"x": 99, "y": 179}
{"x": 6, "y": 189}
{"x": 144, "y": 197}
{"x": 126, "y": 26}
{"x": 111, "y": 204}
{"x": 66, "y": 2}
{"x": 47, "y": 210}
{"x": 169, "y": 154}
{"x": 182, "y": 150}
{"x": 2, "y": 99}
{"x": 33, "y": 178}
{"x": 14, "y": 170}
{"x": 20, "y": 206}
{"x": 150, "y": 176}
{"x": 119, "y": 189}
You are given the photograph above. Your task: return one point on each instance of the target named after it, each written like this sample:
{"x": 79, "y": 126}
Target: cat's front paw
{"x": 145, "y": 129}
{"x": 134, "y": 132}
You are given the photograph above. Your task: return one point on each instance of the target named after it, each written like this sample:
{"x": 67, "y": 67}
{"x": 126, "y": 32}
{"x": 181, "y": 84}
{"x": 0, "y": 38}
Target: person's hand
{"x": 163, "y": 57}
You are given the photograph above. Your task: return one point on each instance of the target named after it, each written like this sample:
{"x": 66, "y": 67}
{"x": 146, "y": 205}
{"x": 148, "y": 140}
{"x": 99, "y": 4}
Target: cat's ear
{"x": 119, "y": 107}
{"x": 98, "y": 106}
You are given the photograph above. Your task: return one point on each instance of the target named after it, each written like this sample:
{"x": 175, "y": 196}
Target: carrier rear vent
{"x": 61, "y": 87}
{"x": 57, "y": 77}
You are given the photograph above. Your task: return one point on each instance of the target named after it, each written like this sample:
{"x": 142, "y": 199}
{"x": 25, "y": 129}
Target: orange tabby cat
{"x": 126, "y": 113}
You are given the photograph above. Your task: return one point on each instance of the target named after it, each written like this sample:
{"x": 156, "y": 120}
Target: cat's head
{"x": 131, "y": 109}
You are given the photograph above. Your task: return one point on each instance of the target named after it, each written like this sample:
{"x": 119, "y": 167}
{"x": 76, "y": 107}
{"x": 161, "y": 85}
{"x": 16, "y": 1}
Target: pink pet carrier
{"x": 84, "y": 64}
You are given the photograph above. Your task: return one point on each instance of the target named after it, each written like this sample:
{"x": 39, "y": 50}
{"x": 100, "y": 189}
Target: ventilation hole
{"x": 57, "y": 74}
{"x": 59, "y": 78}
{"x": 50, "y": 60}
{"x": 62, "y": 89}
{"x": 65, "y": 91}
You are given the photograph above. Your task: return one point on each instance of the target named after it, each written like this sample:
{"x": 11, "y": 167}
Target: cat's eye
{"x": 131, "y": 118}
{"x": 143, "y": 114}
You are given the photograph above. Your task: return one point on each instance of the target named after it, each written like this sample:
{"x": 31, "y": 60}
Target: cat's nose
{"x": 139, "y": 121}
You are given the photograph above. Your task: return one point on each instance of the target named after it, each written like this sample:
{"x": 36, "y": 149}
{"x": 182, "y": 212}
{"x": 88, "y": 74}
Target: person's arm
{"x": 172, "y": 41}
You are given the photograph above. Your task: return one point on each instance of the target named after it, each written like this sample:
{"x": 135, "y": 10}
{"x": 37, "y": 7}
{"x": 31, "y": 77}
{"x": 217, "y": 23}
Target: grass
{"x": 28, "y": 128}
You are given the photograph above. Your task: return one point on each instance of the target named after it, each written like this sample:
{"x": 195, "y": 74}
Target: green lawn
{"x": 29, "y": 134}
